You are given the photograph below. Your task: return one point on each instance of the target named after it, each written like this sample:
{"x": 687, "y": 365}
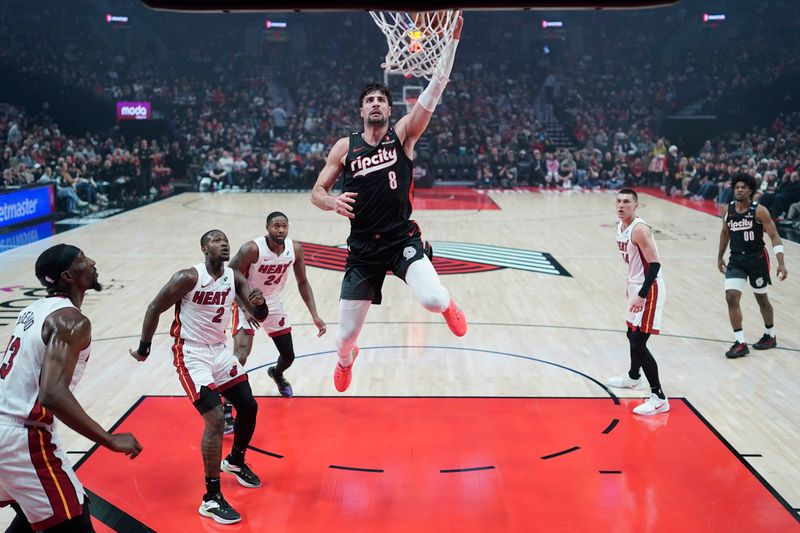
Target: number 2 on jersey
{"x": 8, "y": 356}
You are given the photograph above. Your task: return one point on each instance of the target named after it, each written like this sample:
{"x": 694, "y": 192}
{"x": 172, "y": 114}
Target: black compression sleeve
{"x": 649, "y": 278}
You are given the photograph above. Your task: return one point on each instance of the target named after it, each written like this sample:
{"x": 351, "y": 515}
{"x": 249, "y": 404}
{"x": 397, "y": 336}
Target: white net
{"x": 415, "y": 40}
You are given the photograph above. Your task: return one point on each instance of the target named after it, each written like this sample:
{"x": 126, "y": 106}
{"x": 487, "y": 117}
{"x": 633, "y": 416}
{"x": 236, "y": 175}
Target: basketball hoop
{"x": 415, "y": 40}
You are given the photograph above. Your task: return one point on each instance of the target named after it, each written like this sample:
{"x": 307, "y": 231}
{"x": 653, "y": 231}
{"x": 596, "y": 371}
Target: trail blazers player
{"x": 743, "y": 226}
{"x": 378, "y": 187}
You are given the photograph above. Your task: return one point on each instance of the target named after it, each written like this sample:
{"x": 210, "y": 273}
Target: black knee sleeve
{"x": 285, "y": 352}
{"x": 208, "y": 400}
{"x": 638, "y": 340}
{"x": 241, "y": 396}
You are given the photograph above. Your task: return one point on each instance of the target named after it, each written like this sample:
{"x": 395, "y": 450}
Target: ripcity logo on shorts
{"x": 451, "y": 258}
{"x": 383, "y": 158}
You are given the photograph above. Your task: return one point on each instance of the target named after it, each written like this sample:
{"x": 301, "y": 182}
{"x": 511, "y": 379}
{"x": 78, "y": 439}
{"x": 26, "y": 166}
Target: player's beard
{"x": 96, "y": 284}
{"x": 371, "y": 119}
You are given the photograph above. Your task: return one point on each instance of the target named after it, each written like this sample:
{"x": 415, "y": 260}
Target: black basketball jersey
{"x": 382, "y": 177}
{"x": 746, "y": 233}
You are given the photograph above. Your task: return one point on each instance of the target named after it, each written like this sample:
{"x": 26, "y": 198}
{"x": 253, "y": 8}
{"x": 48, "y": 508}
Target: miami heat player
{"x": 203, "y": 297}
{"x": 43, "y": 362}
{"x": 646, "y": 294}
{"x": 266, "y": 262}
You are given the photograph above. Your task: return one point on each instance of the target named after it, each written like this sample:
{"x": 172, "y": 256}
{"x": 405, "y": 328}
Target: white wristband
{"x": 430, "y": 96}
{"x": 778, "y": 249}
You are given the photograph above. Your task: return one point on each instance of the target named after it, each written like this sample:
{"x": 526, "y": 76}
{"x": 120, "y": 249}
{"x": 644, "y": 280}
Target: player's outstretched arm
{"x": 412, "y": 126}
{"x": 65, "y": 334}
{"x": 305, "y": 288}
{"x": 176, "y": 288}
{"x": 252, "y": 299}
{"x": 321, "y": 193}
{"x": 763, "y": 216}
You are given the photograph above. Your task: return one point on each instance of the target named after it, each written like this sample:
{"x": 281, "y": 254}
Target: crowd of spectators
{"x": 89, "y": 172}
{"x": 264, "y": 116}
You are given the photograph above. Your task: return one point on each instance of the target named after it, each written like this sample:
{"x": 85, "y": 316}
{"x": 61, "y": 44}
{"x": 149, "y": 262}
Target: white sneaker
{"x": 652, "y": 406}
{"x": 625, "y": 382}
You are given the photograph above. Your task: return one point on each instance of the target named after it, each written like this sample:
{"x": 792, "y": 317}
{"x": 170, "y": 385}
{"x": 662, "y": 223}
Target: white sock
{"x": 739, "y": 336}
{"x": 770, "y": 331}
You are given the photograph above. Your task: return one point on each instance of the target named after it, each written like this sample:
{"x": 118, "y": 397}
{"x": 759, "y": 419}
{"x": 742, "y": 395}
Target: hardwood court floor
{"x": 532, "y": 334}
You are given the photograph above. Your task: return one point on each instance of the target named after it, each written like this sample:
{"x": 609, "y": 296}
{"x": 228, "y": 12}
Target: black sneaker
{"x": 227, "y": 410}
{"x": 284, "y": 387}
{"x": 245, "y": 476}
{"x": 217, "y": 508}
{"x": 765, "y": 343}
{"x": 739, "y": 349}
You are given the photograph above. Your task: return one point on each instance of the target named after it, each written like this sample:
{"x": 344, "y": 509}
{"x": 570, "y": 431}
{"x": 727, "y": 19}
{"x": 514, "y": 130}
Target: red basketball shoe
{"x": 342, "y": 376}
{"x": 455, "y": 319}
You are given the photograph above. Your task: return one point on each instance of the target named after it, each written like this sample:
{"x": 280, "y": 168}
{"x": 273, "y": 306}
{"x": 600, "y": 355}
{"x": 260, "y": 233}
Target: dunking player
{"x": 646, "y": 296}
{"x": 265, "y": 262}
{"x": 203, "y": 297}
{"x": 743, "y": 226}
{"x": 42, "y": 364}
{"x": 378, "y": 190}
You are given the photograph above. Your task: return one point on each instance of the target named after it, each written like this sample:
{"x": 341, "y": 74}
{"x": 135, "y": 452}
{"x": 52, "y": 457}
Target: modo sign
{"x": 133, "y": 111}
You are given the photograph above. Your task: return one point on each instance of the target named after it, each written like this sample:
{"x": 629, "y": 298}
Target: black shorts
{"x": 368, "y": 261}
{"x": 752, "y": 266}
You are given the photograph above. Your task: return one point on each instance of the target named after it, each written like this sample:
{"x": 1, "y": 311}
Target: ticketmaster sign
{"x": 133, "y": 111}
{"x": 27, "y": 204}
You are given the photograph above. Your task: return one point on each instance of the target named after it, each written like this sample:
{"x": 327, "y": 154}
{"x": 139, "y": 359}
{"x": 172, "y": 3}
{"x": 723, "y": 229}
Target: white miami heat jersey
{"x": 204, "y": 312}
{"x": 637, "y": 264}
{"x": 22, "y": 363}
{"x": 270, "y": 272}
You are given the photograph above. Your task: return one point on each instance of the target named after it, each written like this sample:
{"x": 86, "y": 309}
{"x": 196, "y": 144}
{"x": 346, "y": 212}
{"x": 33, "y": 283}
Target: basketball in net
{"x": 429, "y": 23}
{"x": 415, "y": 39}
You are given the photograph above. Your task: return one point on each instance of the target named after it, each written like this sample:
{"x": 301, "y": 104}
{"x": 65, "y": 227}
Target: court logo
{"x": 452, "y": 258}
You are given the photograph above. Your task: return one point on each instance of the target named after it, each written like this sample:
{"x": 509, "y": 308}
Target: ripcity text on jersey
{"x": 382, "y": 177}
{"x": 745, "y": 231}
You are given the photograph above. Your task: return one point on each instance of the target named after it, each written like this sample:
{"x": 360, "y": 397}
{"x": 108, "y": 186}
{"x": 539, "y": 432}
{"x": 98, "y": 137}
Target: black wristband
{"x": 649, "y": 278}
{"x": 260, "y": 312}
{"x": 144, "y": 348}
